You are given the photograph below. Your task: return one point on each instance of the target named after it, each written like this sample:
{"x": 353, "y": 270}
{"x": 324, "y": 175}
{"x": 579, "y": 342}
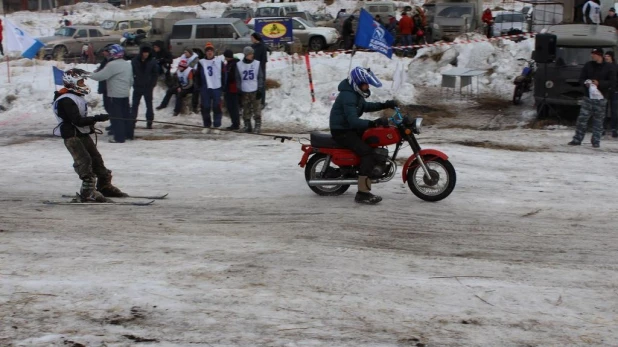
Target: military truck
{"x": 556, "y": 83}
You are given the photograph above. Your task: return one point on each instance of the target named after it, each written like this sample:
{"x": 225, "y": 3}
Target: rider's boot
{"x": 363, "y": 196}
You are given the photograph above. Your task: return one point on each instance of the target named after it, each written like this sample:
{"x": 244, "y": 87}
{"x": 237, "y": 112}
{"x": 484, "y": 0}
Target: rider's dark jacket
{"x": 349, "y": 107}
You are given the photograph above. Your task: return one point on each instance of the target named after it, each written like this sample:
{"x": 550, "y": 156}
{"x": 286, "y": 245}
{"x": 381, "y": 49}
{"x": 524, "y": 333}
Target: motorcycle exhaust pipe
{"x": 335, "y": 182}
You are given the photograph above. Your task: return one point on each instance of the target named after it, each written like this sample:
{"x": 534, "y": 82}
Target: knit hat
{"x": 597, "y": 51}
{"x": 209, "y": 46}
{"x": 228, "y": 53}
{"x": 612, "y": 9}
{"x": 611, "y": 54}
{"x": 247, "y": 50}
{"x": 145, "y": 48}
{"x": 257, "y": 36}
{"x": 187, "y": 49}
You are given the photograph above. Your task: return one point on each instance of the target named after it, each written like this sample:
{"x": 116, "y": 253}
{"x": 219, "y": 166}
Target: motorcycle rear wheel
{"x": 441, "y": 185}
{"x": 517, "y": 93}
{"x": 313, "y": 170}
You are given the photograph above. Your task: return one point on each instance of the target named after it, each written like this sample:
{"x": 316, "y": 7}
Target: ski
{"x": 154, "y": 197}
{"x": 75, "y": 203}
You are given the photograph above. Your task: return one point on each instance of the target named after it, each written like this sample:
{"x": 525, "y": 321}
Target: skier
{"x": 251, "y": 83}
{"x": 347, "y": 128}
{"x": 75, "y": 127}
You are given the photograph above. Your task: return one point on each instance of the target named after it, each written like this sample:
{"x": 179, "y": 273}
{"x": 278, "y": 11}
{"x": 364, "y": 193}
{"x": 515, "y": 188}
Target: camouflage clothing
{"x": 590, "y": 108}
{"x": 251, "y": 105}
{"x": 88, "y": 163}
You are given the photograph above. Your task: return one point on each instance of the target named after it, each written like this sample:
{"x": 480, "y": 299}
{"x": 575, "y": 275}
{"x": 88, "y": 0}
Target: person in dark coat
{"x": 260, "y": 53}
{"x": 611, "y": 19}
{"x": 347, "y": 127}
{"x": 163, "y": 57}
{"x": 145, "y": 75}
{"x": 231, "y": 88}
{"x": 348, "y": 33}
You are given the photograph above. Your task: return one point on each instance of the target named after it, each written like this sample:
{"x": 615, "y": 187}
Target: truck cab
{"x": 453, "y": 18}
{"x": 556, "y": 83}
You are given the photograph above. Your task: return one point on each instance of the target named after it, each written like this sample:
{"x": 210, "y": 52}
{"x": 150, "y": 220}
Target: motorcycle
{"x": 133, "y": 39}
{"x": 525, "y": 82}
{"x": 330, "y": 169}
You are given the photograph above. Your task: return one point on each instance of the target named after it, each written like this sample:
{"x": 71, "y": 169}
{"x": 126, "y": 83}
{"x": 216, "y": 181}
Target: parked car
{"x": 320, "y": 20}
{"x": 310, "y": 35}
{"x": 244, "y": 13}
{"x": 508, "y": 23}
{"x": 119, "y": 26}
{"x": 223, "y": 33}
{"x": 382, "y": 8}
{"x": 69, "y": 41}
{"x": 275, "y": 10}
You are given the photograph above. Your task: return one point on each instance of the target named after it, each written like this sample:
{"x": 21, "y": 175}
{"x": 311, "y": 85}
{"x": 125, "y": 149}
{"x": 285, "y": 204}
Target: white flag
{"x": 17, "y": 40}
{"x": 397, "y": 76}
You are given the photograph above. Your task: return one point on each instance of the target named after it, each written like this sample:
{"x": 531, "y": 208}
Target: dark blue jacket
{"x": 349, "y": 107}
{"x": 145, "y": 73}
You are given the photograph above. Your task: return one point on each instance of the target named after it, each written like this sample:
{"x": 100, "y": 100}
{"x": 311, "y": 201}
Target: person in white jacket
{"x": 592, "y": 12}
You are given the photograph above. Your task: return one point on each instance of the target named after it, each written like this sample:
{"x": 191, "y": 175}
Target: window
{"x": 65, "y": 32}
{"x": 225, "y": 31}
{"x": 509, "y": 18}
{"x": 94, "y": 33}
{"x": 385, "y": 9}
{"x": 205, "y": 31}
{"x": 454, "y": 11}
{"x": 108, "y": 24}
{"x": 181, "y": 32}
{"x": 373, "y": 9}
{"x": 82, "y": 33}
{"x": 137, "y": 24}
{"x": 242, "y": 29}
{"x": 123, "y": 26}
{"x": 297, "y": 26}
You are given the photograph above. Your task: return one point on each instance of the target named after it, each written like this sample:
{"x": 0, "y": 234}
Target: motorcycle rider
{"x": 347, "y": 128}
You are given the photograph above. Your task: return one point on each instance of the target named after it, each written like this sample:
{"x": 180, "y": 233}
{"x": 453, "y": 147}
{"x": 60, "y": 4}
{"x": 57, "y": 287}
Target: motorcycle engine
{"x": 381, "y": 158}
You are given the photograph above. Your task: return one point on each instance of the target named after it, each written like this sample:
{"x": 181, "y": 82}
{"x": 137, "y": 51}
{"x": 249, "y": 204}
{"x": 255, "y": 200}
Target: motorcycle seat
{"x": 322, "y": 140}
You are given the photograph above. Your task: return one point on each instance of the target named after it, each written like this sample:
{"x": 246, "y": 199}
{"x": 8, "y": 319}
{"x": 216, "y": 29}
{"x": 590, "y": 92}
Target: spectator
{"x": 341, "y": 12}
{"x": 67, "y": 23}
{"x": 405, "y": 30}
{"x": 611, "y": 19}
{"x": 419, "y": 32}
{"x": 145, "y": 77}
{"x": 348, "y": 33}
{"x": 378, "y": 19}
{"x": 592, "y": 12}
{"x": 119, "y": 79}
{"x": 190, "y": 56}
{"x": 488, "y": 21}
{"x": 102, "y": 89}
{"x": 392, "y": 25}
{"x": 231, "y": 88}
{"x": 599, "y": 79}
{"x": 612, "y": 119}
{"x": 251, "y": 83}
{"x": 183, "y": 87}
{"x": 260, "y": 54}
{"x": 65, "y": 13}
{"x": 209, "y": 80}
{"x": 1, "y": 29}
{"x": 163, "y": 57}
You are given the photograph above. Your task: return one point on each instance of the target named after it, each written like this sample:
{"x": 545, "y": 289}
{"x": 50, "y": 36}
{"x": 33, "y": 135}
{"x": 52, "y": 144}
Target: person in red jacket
{"x": 405, "y": 30}
{"x": 1, "y": 48}
{"x": 488, "y": 20}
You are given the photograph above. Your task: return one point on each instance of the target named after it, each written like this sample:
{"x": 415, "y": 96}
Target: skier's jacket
{"x": 71, "y": 118}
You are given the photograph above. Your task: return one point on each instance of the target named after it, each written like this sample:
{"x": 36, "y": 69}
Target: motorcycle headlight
{"x": 414, "y": 124}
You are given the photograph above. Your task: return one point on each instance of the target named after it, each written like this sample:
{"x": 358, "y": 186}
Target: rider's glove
{"x": 389, "y": 104}
{"x": 101, "y": 117}
{"x": 258, "y": 95}
{"x": 380, "y": 122}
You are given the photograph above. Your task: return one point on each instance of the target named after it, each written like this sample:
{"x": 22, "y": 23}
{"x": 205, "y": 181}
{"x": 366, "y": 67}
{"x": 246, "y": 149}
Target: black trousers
{"x": 352, "y": 139}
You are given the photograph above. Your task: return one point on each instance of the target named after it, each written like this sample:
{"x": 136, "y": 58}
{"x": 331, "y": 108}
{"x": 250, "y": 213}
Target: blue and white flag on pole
{"x": 58, "y": 74}
{"x": 371, "y": 35}
{"x": 17, "y": 40}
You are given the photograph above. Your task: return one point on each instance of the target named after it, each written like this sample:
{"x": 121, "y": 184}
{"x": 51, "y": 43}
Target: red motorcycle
{"x": 330, "y": 169}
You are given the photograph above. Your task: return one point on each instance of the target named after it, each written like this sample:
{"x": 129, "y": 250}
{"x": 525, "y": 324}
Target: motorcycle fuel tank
{"x": 377, "y": 137}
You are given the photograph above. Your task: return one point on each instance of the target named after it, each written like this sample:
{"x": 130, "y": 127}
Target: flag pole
{"x": 351, "y": 58}
{"x": 8, "y": 69}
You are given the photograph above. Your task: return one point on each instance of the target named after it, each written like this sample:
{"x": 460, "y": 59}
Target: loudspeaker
{"x": 545, "y": 48}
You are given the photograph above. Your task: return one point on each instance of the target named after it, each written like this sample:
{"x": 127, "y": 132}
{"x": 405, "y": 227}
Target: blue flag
{"x": 370, "y": 34}
{"x": 17, "y": 40}
{"x": 58, "y": 74}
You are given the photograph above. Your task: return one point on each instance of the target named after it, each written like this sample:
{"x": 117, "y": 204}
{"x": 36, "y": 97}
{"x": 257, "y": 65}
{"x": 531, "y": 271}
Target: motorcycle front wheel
{"x": 313, "y": 171}
{"x": 441, "y": 184}
{"x": 517, "y": 93}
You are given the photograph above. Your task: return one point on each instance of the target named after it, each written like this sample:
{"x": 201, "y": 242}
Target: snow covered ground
{"x": 242, "y": 253}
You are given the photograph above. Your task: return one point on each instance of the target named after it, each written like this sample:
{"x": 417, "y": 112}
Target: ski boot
{"x": 93, "y": 196}
{"x": 105, "y": 187}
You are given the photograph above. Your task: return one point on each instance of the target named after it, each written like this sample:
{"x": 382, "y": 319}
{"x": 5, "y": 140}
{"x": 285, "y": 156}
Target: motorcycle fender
{"x": 423, "y": 153}
{"x": 308, "y": 150}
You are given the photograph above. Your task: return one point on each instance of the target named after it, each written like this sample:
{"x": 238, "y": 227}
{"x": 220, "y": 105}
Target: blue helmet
{"x": 360, "y": 75}
{"x": 116, "y": 51}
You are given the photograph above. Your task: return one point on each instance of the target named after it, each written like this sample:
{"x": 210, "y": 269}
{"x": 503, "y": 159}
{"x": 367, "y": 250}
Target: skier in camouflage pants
{"x": 251, "y": 83}
{"x": 599, "y": 81}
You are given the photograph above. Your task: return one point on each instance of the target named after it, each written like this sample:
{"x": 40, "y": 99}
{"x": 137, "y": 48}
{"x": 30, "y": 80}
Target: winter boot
{"x": 149, "y": 125}
{"x": 247, "y": 128}
{"x": 258, "y": 126}
{"x": 364, "y": 196}
{"x": 105, "y": 186}
{"x": 87, "y": 193}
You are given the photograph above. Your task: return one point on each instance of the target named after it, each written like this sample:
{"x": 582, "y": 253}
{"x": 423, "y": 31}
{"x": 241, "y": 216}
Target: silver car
{"x": 69, "y": 41}
{"x": 223, "y": 33}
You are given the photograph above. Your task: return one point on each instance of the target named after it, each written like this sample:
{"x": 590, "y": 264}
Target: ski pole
{"x": 275, "y": 137}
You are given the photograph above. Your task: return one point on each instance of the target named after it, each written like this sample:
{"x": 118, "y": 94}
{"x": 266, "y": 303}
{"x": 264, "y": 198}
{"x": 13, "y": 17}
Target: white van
{"x": 275, "y": 9}
{"x": 382, "y": 8}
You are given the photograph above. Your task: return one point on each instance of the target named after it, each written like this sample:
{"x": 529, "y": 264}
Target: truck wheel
{"x": 317, "y": 43}
{"x": 60, "y": 52}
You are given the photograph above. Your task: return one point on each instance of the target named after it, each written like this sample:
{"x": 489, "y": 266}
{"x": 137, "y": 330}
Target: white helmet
{"x": 75, "y": 81}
